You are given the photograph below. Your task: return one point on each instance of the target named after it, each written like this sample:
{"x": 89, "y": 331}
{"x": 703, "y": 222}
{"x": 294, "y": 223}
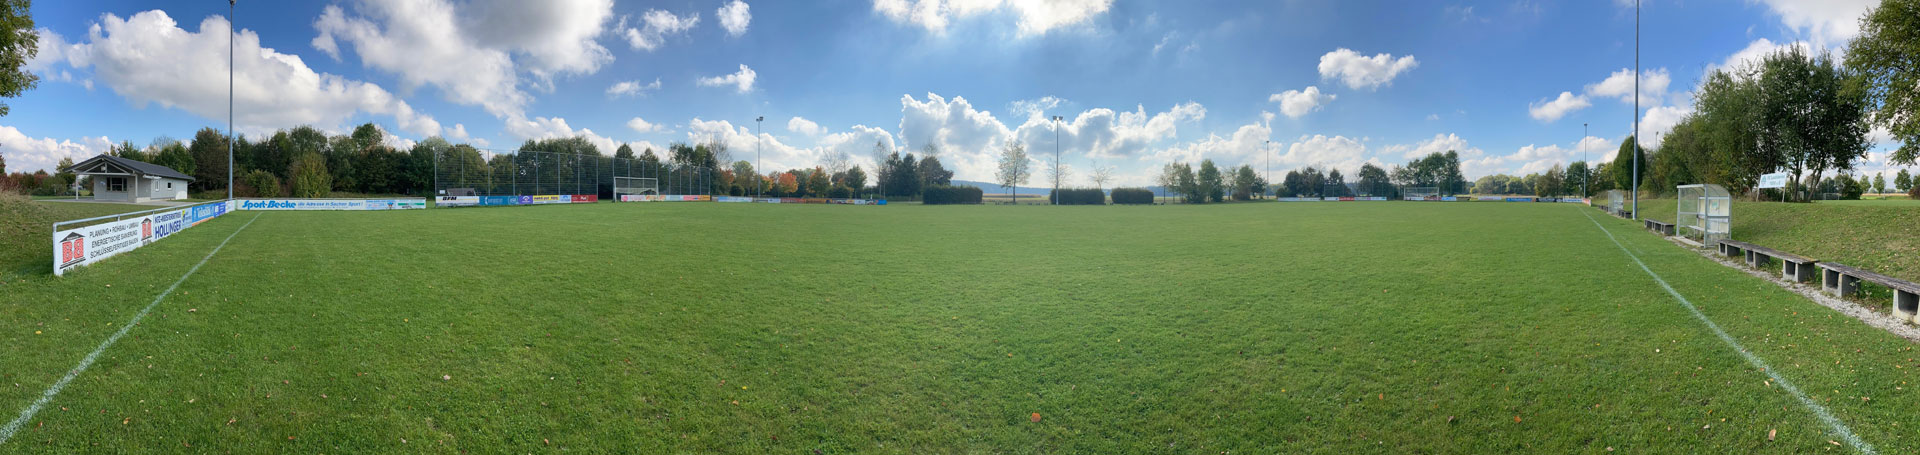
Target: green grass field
{"x": 747, "y": 328}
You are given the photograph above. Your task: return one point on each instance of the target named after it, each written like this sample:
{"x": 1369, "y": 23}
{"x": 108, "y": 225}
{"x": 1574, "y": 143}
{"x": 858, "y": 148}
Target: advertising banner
{"x": 81, "y": 246}
{"x": 732, "y": 199}
{"x": 499, "y": 200}
{"x": 1774, "y": 180}
{"x": 545, "y": 199}
{"x": 1346, "y": 199}
{"x": 457, "y": 201}
{"x": 396, "y": 204}
{"x": 1519, "y": 199}
{"x": 332, "y": 204}
{"x": 1491, "y": 198}
{"x": 1450, "y": 199}
{"x": 204, "y": 212}
{"x": 586, "y": 198}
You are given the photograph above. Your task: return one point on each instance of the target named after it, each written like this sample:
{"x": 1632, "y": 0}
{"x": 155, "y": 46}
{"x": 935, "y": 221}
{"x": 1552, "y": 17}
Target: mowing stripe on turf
{"x": 1833, "y": 423}
{"x": 7, "y": 432}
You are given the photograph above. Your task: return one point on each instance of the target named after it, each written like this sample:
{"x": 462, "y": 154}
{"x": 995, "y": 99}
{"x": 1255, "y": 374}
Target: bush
{"x": 1132, "y": 196}
{"x": 262, "y": 184}
{"x": 1077, "y": 196}
{"x": 839, "y": 192}
{"x": 943, "y": 194}
{"x": 310, "y": 178}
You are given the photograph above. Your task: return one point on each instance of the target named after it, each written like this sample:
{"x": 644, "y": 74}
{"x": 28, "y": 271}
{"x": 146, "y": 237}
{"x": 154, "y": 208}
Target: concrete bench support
{"x": 1802, "y": 272}
{"x": 1843, "y": 281}
{"x": 1906, "y": 305}
{"x": 1792, "y": 266}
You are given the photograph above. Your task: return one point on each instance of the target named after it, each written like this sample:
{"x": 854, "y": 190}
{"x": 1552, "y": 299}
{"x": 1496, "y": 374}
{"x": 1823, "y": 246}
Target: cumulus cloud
{"x": 734, "y": 17}
{"x": 1660, "y": 120}
{"x": 631, "y": 88}
{"x": 459, "y": 134}
{"x": 1035, "y": 17}
{"x": 804, "y": 127}
{"x": 550, "y": 37}
{"x": 641, "y": 125}
{"x": 742, "y": 80}
{"x": 1825, "y": 21}
{"x": 1552, "y": 110}
{"x": 741, "y": 142}
{"x": 1653, "y": 86}
{"x": 1328, "y": 152}
{"x": 1533, "y": 158}
{"x": 556, "y": 127}
{"x": 1296, "y": 103}
{"x": 28, "y": 154}
{"x": 657, "y": 26}
{"x": 1103, "y": 133}
{"x": 1756, "y": 51}
{"x": 422, "y": 43}
{"x": 1363, "y": 72}
{"x": 148, "y": 59}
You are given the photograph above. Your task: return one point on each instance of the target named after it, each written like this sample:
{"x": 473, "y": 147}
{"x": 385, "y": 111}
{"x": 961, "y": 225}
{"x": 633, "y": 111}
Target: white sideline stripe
{"x": 1833, "y": 423}
{"x": 7, "y": 432}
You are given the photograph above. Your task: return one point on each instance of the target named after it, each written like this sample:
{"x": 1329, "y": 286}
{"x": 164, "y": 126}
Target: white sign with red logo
{"x": 82, "y": 246}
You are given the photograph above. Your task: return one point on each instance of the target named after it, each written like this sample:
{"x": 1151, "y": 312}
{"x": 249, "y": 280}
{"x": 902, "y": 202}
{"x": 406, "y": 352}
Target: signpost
{"x": 1774, "y": 180}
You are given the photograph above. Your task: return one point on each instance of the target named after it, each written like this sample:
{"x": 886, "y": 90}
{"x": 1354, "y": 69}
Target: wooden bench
{"x": 1840, "y": 280}
{"x": 1664, "y": 228}
{"x": 1792, "y": 266}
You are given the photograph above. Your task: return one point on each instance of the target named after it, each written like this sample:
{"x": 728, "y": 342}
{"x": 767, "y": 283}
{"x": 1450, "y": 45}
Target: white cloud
{"x": 658, "y": 25}
{"x": 1328, "y": 152}
{"x": 1246, "y": 145}
{"x": 1440, "y": 143}
{"x": 641, "y": 125}
{"x": 1829, "y": 22}
{"x": 459, "y": 134}
{"x": 1362, "y": 72}
{"x": 421, "y": 42}
{"x": 734, "y": 17}
{"x": 1660, "y": 120}
{"x": 1034, "y": 106}
{"x": 969, "y": 138}
{"x": 148, "y": 59}
{"x": 1550, "y": 111}
{"x": 550, "y": 37}
{"x": 1433, "y": 116}
{"x": 631, "y": 88}
{"x": 1102, "y": 133}
{"x": 28, "y": 154}
{"x": 1653, "y": 86}
{"x": 804, "y": 127}
{"x": 741, "y": 80}
{"x": 556, "y": 127}
{"x": 1296, "y": 103}
{"x": 1035, "y": 17}
{"x": 741, "y": 143}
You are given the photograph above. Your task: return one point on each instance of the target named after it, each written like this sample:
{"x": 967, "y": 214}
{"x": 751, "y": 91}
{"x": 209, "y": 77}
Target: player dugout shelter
{"x": 117, "y": 179}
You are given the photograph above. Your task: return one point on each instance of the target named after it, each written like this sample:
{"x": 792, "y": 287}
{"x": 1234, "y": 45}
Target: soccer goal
{"x": 635, "y": 186}
{"x": 1422, "y": 193}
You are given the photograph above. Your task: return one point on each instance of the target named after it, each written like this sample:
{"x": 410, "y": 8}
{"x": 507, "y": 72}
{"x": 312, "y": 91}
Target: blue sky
{"x": 1508, "y": 83}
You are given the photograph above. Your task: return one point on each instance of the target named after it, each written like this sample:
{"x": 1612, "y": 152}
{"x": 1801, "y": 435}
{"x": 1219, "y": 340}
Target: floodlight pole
{"x": 1583, "y": 158}
{"x": 756, "y": 156}
{"x": 1268, "y": 155}
{"x": 230, "y": 33}
{"x": 1636, "y": 109}
{"x": 1056, "y": 165}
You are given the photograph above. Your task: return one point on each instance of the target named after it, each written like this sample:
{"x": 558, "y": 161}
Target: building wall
{"x": 100, "y": 192}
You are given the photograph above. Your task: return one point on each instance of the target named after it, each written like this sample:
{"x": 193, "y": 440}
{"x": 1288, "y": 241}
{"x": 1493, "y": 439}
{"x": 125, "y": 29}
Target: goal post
{"x": 637, "y": 186}
{"x": 1421, "y": 193}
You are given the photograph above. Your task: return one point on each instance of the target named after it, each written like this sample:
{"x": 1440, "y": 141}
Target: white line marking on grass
{"x": 1833, "y": 423}
{"x": 7, "y": 432}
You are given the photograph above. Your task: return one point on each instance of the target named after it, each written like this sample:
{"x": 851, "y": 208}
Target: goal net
{"x": 1422, "y": 193}
{"x": 623, "y": 186}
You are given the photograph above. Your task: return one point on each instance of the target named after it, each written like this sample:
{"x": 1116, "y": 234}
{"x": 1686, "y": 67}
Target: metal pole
{"x": 230, "y": 136}
{"x": 757, "y": 181}
{"x": 1636, "y": 109}
{"x": 1056, "y": 164}
{"x": 1583, "y": 158}
{"x": 1268, "y": 154}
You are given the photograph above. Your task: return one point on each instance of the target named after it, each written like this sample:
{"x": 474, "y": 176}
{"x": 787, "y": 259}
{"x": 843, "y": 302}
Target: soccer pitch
{"x": 749, "y": 328}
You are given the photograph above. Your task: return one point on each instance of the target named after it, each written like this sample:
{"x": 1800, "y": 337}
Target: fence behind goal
{"x": 473, "y": 172}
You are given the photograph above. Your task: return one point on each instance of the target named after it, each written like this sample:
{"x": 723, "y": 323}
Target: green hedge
{"x": 1077, "y": 196}
{"x": 1132, "y": 196}
{"x": 940, "y": 194}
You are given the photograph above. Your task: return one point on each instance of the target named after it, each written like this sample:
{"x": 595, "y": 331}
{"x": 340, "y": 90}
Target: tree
{"x": 175, "y": 156}
{"x": 1211, "y": 184}
{"x": 1883, "y": 57}
{"x": 1552, "y": 183}
{"x": 1169, "y": 177}
{"x": 1057, "y": 172}
{"x": 1244, "y": 182}
{"x": 1189, "y": 186}
{"x": 1014, "y": 166}
{"x": 1811, "y": 118}
{"x": 18, "y": 44}
{"x": 1335, "y": 185}
{"x": 3, "y": 165}
{"x": 1623, "y": 164}
{"x": 1901, "y": 181}
{"x": 899, "y": 175}
{"x": 625, "y": 152}
{"x": 856, "y": 179}
{"x": 931, "y": 172}
{"x": 310, "y": 177}
{"x": 650, "y": 158}
{"x": 209, "y": 150}
{"x": 1728, "y": 108}
{"x": 1100, "y": 176}
{"x": 1577, "y": 175}
{"x": 1879, "y": 183}
{"x": 817, "y": 183}
{"x": 264, "y": 184}
{"x": 1375, "y": 181}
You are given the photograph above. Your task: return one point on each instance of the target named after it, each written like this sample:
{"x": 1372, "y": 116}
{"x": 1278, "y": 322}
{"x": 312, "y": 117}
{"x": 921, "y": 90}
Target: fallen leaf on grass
{"x": 1516, "y": 419}
{"x": 1036, "y": 417}
{"x": 1770, "y": 433}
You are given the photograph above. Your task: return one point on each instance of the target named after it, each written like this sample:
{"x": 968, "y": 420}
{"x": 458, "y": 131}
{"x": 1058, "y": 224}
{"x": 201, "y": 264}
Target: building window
{"x": 117, "y": 184}
{"x": 169, "y": 185}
